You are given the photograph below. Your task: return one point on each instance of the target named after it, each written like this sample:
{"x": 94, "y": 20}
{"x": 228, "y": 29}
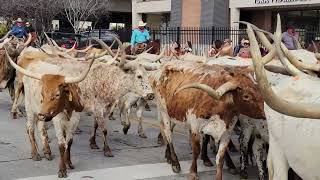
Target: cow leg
{"x": 92, "y": 140}
{"x": 67, "y": 155}
{"x": 167, "y": 132}
{"x": 61, "y": 136}
{"x": 45, "y": 140}
{"x": 258, "y": 154}
{"x": 140, "y": 106}
{"x": 111, "y": 111}
{"x": 244, "y": 142}
{"x": 30, "y": 130}
{"x": 204, "y": 151}
{"x": 14, "y": 108}
{"x": 277, "y": 163}
{"x": 161, "y": 133}
{"x": 195, "y": 143}
{"x": 101, "y": 123}
{"x": 223, "y": 146}
{"x": 11, "y": 91}
{"x": 125, "y": 113}
{"x": 229, "y": 163}
{"x": 62, "y": 165}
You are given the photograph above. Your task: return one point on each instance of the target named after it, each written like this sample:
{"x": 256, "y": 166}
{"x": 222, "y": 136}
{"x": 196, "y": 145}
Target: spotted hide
{"x": 197, "y": 110}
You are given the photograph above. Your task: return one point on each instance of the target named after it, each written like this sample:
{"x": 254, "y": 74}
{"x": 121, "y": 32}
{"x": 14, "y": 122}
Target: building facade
{"x": 181, "y": 13}
{"x": 200, "y": 13}
{"x": 154, "y": 12}
{"x": 302, "y": 14}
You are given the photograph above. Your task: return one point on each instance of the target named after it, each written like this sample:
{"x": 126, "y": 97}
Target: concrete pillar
{"x": 136, "y": 17}
{"x": 234, "y": 17}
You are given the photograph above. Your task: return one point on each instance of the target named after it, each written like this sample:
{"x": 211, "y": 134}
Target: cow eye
{"x": 139, "y": 76}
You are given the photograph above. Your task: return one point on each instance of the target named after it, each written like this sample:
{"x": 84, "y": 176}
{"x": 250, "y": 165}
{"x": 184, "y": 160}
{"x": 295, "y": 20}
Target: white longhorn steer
{"x": 292, "y": 113}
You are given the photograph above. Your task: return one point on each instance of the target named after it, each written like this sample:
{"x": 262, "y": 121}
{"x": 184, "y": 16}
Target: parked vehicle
{"x": 104, "y": 35}
{"x": 67, "y": 40}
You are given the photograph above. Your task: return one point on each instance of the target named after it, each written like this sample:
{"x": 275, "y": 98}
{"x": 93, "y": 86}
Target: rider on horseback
{"x": 140, "y": 36}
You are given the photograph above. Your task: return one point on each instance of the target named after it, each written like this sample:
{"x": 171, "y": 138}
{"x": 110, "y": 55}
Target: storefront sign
{"x": 277, "y": 1}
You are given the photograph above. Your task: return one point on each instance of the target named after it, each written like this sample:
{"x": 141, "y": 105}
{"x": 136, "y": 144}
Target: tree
{"x": 41, "y": 11}
{"x": 81, "y": 10}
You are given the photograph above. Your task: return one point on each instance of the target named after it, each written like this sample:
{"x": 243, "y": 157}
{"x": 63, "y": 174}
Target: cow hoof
{"x": 176, "y": 168}
{"x": 207, "y": 163}
{"x": 233, "y": 171}
{"x": 36, "y": 157}
{"x": 62, "y": 174}
{"x": 94, "y": 146}
{"x": 243, "y": 175}
{"x": 169, "y": 161}
{"x": 14, "y": 115}
{"x": 70, "y": 166}
{"x": 142, "y": 135}
{"x": 78, "y": 131}
{"x": 108, "y": 154}
{"x": 193, "y": 176}
{"x": 125, "y": 130}
{"x": 48, "y": 156}
{"x": 160, "y": 140}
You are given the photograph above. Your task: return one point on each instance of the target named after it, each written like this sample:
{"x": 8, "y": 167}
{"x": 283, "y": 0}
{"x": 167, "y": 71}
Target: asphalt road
{"x": 134, "y": 157}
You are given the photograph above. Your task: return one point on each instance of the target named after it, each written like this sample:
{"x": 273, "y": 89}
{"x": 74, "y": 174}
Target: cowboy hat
{"x": 141, "y": 23}
{"x": 19, "y": 20}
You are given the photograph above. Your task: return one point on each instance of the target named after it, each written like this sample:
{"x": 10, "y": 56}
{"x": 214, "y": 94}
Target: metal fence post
{"x": 212, "y": 34}
{"x": 178, "y": 34}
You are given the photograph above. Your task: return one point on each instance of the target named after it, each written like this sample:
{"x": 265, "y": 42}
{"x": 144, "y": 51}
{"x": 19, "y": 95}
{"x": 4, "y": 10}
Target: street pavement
{"x": 134, "y": 157}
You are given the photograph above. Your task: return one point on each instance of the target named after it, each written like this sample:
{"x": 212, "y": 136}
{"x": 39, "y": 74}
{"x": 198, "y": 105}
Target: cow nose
{"x": 150, "y": 96}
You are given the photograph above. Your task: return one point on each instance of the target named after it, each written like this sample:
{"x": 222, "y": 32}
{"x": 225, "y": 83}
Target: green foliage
{"x": 3, "y": 30}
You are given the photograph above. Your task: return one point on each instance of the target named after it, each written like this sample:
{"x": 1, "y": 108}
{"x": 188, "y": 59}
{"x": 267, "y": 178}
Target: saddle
{"x": 139, "y": 48}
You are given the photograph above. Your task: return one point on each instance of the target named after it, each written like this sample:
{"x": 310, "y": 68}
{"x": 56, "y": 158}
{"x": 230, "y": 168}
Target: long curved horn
{"x": 73, "y": 47}
{"x": 5, "y": 36}
{"x": 70, "y": 80}
{"x": 264, "y": 41}
{"x": 23, "y": 71}
{"x": 104, "y": 46}
{"x": 49, "y": 42}
{"x": 114, "y": 41}
{"x": 5, "y": 42}
{"x": 290, "y": 68}
{"x": 28, "y": 40}
{"x": 215, "y": 94}
{"x": 114, "y": 58}
{"x": 85, "y": 50}
{"x": 316, "y": 50}
{"x": 300, "y": 65}
{"x": 150, "y": 66}
{"x": 123, "y": 51}
{"x": 275, "y": 102}
{"x": 57, "y": 46}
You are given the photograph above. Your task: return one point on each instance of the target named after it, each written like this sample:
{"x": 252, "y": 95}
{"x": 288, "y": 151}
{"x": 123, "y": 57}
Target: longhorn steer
{"x": 51, "y": 95}
{"x": 293, "y": 117}
{"x": 14, "y": 47}
{"x": 237, "y": 94}
{"x": 101, "y": 89}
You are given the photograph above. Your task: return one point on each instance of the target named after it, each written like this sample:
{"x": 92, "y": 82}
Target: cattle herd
{"x": 273, "y": 100}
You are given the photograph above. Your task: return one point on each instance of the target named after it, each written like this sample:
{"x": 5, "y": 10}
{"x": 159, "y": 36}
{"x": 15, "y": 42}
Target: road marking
{"x": 128, "y": 172}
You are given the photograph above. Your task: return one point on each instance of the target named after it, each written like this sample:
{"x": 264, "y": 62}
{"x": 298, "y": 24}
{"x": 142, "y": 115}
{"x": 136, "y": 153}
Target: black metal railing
{"x": 201, "y": 37}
